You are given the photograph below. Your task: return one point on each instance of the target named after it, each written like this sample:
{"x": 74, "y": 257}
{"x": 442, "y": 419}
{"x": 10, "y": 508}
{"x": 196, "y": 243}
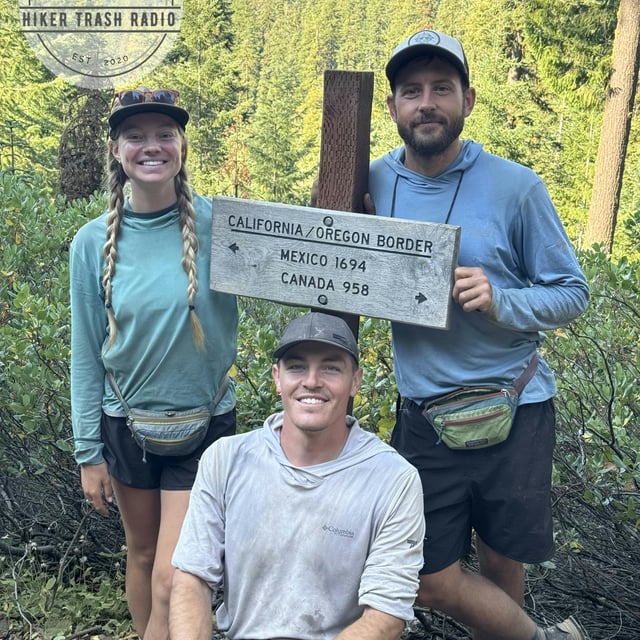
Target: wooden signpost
{"x": 344, "y": 143}
{"x": 343, "y": 176}
{"x": 330, "y": 258}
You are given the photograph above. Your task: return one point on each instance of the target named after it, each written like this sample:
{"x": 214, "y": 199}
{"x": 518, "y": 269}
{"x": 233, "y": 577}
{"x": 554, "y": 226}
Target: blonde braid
{"x": 189, "y": 248}
{"x": 116, "y": 179}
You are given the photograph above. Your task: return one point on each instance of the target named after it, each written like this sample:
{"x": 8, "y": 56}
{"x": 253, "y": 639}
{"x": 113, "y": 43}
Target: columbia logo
{"x": 343, "y": 533}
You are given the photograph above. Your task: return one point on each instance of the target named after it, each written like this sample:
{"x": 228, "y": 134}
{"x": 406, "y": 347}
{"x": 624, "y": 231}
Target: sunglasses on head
{"x": 138, "y": 96}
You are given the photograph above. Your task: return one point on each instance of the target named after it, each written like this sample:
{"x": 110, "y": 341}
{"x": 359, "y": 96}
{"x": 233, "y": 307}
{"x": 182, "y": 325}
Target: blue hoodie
{"x": 509, "y": 228}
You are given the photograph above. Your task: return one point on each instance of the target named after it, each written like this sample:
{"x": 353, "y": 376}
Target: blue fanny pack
{"x": 169, "y": 433}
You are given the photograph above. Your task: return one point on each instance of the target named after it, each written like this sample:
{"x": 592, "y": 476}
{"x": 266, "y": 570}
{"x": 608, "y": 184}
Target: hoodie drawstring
{"x": 453, "y": 201}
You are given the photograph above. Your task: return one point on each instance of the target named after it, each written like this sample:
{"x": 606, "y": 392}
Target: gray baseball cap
{"x": 427, "y": 42}
{"x": 318, "y": 327}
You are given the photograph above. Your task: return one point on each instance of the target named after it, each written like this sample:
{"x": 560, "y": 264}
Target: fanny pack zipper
{"x": 502, "y": 392}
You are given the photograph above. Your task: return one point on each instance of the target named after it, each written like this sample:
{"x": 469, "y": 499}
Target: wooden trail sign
{"x": 376, "y": 266}
{"x": 327, "y": 257}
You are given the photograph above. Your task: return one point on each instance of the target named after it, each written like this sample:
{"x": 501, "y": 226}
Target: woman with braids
{"x": 142, "y": 311}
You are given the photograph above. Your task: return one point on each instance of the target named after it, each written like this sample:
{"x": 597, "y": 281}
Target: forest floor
{"x": 594, "y": 576}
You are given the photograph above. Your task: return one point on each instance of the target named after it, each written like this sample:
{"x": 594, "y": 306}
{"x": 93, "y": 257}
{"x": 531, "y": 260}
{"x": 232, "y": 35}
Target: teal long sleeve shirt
{"x": 154, "y": 359}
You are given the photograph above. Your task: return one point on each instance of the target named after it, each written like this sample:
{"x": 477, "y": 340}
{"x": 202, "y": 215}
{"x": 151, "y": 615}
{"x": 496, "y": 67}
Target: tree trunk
{"x": 607, "y": 182}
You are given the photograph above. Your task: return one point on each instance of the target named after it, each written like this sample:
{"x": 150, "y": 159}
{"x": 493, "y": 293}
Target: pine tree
{"x": 618, "y": 109}
{"x": 201, "y": 66}
{"x": 276, "y": 144}
{"x": 32, "y": 104}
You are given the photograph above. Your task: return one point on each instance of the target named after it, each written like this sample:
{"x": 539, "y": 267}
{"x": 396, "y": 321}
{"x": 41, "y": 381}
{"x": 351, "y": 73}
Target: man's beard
{"x": 433, "y": 144}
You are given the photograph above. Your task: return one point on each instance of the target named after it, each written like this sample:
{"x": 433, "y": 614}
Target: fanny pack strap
{"x": 214, "y": 403}
{"x": 221, "y": 391}
{"x": 521, "y": 381}
{"x": 116, "y": 390}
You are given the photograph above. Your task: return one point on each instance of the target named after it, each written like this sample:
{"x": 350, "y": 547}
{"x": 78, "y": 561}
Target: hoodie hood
{"x": 395, "y": 188}
{"x": 465, "y": 159}
{"x": 360, "y": 445}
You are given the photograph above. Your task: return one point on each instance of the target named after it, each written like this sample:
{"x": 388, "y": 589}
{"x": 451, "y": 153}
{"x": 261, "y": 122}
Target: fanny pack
{"x": 477, "y": 417}
{"x": 169, "y": 433}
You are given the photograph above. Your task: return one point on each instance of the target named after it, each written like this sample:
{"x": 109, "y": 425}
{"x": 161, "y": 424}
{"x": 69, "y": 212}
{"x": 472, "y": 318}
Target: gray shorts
{"x": 502, "y": 492}
{"x": 124, "y": 457}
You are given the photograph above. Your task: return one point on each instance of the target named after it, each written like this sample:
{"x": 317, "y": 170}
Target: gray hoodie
{"x": 301, "y": 551}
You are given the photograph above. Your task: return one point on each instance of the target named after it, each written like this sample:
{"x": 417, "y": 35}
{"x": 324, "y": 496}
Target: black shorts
{"x": 174, "y": 473}
{"x": 502, "y": 492}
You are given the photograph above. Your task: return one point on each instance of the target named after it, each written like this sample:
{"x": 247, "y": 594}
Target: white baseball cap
{"x": 427, "y": 42}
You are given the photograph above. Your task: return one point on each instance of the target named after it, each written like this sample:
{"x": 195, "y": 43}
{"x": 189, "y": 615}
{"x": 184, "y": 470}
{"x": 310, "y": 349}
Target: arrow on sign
{"x": 234, "y": 247}
{"x": 420, "y": 298}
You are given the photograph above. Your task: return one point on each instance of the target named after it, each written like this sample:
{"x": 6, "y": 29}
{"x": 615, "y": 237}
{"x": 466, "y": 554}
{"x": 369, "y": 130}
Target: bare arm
{"x": 190, "y": 609}
{"x": 373, "y": 625}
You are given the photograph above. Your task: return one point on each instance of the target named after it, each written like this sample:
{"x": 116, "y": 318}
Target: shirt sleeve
{"x": 88, "y": 331}
{"x": 390, "y": 578}
{"x": 200, "y": 548}
{"x": 557, "y": 290}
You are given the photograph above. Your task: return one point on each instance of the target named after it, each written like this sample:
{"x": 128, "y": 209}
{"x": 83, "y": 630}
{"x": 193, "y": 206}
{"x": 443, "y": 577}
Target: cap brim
{"x": 415, "y": 51}
{"x": 280, "y": 351}
{"x": 173, "y": 111}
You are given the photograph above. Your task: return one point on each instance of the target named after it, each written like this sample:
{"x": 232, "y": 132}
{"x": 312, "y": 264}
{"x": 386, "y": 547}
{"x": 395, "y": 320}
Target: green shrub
{"x": 597, "y": 364}
{"x": 35, "y": 603}
{"x": 46, "y": 534}
{"x": 51, "y": 544}
{"x": 35, "y": 232}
